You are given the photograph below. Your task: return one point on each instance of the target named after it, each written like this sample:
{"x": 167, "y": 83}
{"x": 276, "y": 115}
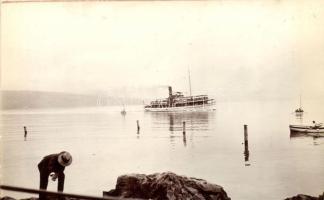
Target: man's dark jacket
{"x": 48, "y": 165}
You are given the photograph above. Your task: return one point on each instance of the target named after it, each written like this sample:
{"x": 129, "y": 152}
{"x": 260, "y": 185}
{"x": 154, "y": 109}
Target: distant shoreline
{"x": 39, "y": 100}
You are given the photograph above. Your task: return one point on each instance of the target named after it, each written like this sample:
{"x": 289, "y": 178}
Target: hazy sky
{"x": 231, "y": 47}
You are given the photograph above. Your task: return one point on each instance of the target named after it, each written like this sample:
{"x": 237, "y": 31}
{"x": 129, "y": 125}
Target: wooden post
{"x": 138, "y": 126}
{"x": 246, "y": 144}
{"x": 25, "y": 132}
{"x": 184, "y": 133}
{"x": 184, "y": 140}
{"x": 246, "y": 141}
{"x": 184, "y": 127}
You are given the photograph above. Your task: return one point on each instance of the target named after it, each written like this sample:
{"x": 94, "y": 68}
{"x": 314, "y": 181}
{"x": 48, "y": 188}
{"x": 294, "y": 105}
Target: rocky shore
{"x": 168, "y": 186}
{"x": 306, "y": 197}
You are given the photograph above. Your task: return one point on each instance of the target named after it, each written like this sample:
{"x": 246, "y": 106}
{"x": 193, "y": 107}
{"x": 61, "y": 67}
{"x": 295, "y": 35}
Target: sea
{"x": 106, "y": 144}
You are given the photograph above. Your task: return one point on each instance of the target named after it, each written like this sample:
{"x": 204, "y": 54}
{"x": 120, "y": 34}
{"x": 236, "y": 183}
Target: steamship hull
{"x": 195, "y": 108}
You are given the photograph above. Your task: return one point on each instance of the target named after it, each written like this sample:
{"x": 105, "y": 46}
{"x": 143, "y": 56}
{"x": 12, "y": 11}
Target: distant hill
{"x": 38, "y": 99}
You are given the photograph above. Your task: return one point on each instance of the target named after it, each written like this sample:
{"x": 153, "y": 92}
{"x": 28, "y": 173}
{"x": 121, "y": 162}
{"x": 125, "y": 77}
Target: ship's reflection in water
{"x": 299, "y": 117}
{"x": 197, "y": 124}
{"x": 302, "y": 136}
{"x": 316, "y": 140}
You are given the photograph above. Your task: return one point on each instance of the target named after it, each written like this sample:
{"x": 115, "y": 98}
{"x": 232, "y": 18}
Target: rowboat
{"x": 315, "y": 130}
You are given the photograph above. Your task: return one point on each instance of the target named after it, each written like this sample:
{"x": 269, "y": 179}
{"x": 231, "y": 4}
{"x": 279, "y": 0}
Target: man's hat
{"x": 64, "y": 158}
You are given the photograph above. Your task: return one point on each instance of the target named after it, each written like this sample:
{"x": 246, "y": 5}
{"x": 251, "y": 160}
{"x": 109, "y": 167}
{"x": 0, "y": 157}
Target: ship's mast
{"x": 189, "y": 82}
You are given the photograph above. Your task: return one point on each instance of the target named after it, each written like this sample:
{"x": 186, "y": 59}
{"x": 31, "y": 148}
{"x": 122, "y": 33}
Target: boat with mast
{"x": 299, "y": 110}
{"x": 177, "y": 102}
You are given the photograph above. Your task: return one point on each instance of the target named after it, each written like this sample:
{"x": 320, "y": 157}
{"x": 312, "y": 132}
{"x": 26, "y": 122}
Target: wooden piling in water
{"x": 246, "y": 144}
{"x": 246, "y": 140}
{"x": 184, "y": 127}
{"x": 184, "y": 140}
{"x": 25, "y": 132}
{"x": 138, "y": 126}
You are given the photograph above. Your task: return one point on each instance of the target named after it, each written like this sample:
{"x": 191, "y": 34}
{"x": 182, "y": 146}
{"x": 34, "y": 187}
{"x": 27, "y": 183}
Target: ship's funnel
{"x": 170, "y": 91}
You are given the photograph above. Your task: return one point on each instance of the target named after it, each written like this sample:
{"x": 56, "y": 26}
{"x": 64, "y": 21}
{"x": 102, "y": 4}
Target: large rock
{"x": 305, "y": 197}
{"x": 7, "y": 198}
{"x": 166, "y": 186}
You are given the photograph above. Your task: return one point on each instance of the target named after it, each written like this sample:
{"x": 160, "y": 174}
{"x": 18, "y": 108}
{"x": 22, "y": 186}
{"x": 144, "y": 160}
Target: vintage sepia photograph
{"x": 162, "y": 100}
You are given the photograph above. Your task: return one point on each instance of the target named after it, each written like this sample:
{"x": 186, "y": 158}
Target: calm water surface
{"x": 105, "y": 144}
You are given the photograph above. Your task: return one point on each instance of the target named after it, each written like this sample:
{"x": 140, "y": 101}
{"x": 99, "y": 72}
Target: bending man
{"x": 53, "y": 165}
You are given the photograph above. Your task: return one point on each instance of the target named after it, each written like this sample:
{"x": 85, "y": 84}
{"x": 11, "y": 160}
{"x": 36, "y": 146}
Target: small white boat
{"x": 299, "y": 111}
{"x": 315, "y": 130}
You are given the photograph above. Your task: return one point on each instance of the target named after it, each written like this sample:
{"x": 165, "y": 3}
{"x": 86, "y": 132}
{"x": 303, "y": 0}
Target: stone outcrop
{"x": 305, "y": 197}
{"x": 166, "y": 186}
{"x": 7, "y": 198}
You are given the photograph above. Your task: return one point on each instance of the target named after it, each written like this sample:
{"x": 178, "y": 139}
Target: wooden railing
{"x": 61, "y": 194}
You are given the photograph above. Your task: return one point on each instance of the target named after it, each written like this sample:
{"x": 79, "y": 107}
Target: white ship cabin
{"x": 178, "y": 100}
{"x": 191, "y": 101}
{"x": 159, "y": 103}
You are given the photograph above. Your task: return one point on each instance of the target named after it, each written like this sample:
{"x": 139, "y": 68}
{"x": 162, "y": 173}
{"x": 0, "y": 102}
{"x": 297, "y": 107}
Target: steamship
{"x": 178, "y": 102}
